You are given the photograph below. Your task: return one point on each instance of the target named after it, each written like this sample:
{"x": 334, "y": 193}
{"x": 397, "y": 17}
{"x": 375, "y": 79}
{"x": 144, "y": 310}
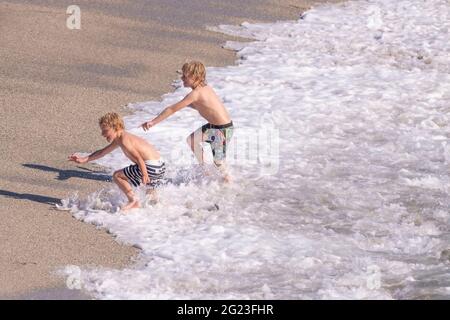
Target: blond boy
{"x": 219, "y": 129}
{"x": 148, "y": 169}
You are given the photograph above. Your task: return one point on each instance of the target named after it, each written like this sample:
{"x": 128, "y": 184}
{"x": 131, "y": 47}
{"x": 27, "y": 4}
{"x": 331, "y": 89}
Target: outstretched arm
{"x": 94, "y": 155}
{"x": 167, "y": 112}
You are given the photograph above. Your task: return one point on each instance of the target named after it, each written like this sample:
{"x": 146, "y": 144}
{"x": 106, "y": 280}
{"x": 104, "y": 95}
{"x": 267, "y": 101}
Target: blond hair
{"x": 112, "y": 120}
{"x": 197, "y": 71}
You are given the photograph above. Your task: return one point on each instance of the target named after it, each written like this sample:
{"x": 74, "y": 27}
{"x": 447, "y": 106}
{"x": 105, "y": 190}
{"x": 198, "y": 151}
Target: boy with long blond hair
{"x": 148, "y": 169}
{"x": 219, "y": 129}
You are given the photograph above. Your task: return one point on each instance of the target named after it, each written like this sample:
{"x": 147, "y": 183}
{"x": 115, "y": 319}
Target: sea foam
{"x": 356, "y": 205}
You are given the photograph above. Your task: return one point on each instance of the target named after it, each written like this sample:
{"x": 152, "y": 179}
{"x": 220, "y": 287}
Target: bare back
{"x": 208, "y": 104}
{"x": 132, "y": 144}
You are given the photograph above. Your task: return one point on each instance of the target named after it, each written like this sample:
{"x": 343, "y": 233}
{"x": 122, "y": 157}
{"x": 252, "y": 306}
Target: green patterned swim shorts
{"x": 218, "y": 136}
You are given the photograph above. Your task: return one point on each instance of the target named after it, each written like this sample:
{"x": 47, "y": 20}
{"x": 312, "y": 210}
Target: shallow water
{"x": 350, "y": 201}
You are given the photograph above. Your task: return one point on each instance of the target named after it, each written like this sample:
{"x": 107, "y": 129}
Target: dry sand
{"x": 55, "y": 83}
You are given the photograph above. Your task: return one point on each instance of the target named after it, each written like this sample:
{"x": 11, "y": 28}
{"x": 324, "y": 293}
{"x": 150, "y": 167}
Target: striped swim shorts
{"x": 155, "y": 170}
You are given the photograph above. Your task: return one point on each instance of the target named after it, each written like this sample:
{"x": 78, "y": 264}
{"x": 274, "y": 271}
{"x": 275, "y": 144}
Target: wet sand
{"x": 55, "y": 83}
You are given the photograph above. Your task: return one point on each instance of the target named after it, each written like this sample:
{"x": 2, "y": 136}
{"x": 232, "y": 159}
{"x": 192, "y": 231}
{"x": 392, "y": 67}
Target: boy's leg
{"x": 156, "y": 175}
{"x": 122, "y": 182}
{"x": 152, "y": 196}
{"x": 222, "y": 167}
{"x": 219, "y": 149}
{"x": 194, "y": 140}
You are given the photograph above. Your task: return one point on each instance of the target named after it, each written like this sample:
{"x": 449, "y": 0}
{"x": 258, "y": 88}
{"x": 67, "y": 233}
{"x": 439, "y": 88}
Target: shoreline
{"x": 35, "y": 175}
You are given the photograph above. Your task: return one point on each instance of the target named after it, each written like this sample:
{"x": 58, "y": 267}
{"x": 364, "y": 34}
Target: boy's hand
{"x": 77, "y": 159}
{"x": 147, "y": 125}
{"x": 145, "y": 179}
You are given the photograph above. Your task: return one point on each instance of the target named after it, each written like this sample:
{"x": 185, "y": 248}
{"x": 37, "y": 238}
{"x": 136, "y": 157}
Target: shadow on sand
{"x": 67, "y": 174}
{"x": 62, "y": 175}
{"x": 30, "y": 196}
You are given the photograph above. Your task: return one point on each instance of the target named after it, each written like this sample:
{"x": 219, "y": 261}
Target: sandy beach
{"x": 55, "y": 83}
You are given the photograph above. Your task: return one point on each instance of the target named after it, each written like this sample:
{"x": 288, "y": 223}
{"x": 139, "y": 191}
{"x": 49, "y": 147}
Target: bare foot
{"x": 227, "y": 179}
{"x": 131, "y": 205}
{"x": 151, "y": 202}
{"x": 205, "y": 171}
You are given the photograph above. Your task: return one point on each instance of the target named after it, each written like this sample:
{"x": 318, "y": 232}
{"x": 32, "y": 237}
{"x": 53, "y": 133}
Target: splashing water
{"x": 358, "y": 205}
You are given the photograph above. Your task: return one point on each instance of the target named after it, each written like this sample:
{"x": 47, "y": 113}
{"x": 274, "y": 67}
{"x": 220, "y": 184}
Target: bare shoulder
{"x": 207, "y": 88}
{"x": 206, "y": 91}
{"x": 194, "y": 94}
{"x": 128, "y": 137}
{"x": 133, "y": 137}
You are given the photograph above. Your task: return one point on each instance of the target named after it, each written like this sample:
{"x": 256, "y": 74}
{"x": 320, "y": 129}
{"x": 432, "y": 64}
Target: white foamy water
{"x": 359, "y": 208}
